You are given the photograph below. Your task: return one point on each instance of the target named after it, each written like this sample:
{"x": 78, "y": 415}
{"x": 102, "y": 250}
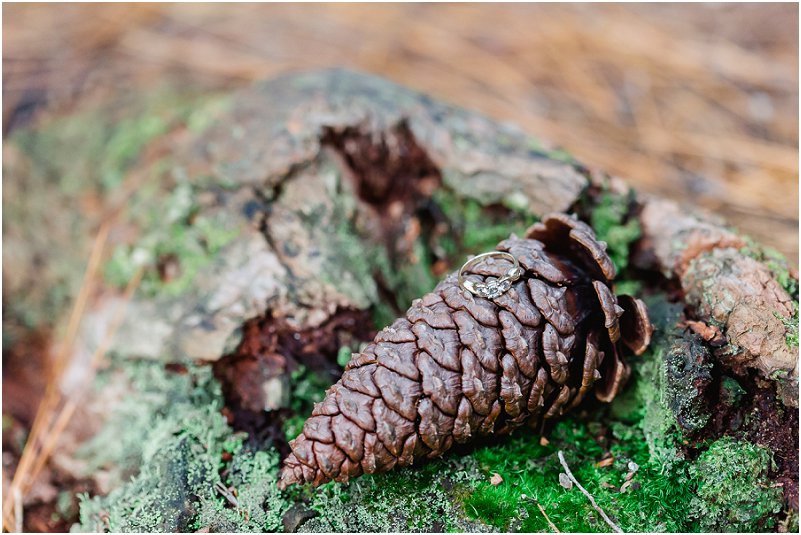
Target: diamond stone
{"x": 493, "y": 288}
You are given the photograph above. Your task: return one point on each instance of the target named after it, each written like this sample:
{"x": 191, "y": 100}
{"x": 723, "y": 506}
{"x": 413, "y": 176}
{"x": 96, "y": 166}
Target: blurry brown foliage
{"x": 697, "y": 102}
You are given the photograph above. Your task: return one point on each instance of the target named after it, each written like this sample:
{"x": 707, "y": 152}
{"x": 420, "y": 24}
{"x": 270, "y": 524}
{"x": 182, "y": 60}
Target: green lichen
{"x": 612, "y": 224}
{"x": 687, "y": 366}
{"x": 648, "y": 399}
{"x": 308, "y": 388}
{"x": 777, "y": 264}
{"x": 62, "y": 170}
{"x": 791, "y": 327}
{"x": 419, "y": 499}
{"x": 93, "y": 149}
{"x": 171, "y": 435}
{"x": 252, "y": 504}
{"x": 790, "y": 522}
{"x": 173, "y": 232}
{"x": 645, "y": 404}
{"x": 366, "y": 263}
{"x": 734, "y": 491}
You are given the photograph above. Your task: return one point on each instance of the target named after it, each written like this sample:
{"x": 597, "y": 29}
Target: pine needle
{"x": 587, "y": 494}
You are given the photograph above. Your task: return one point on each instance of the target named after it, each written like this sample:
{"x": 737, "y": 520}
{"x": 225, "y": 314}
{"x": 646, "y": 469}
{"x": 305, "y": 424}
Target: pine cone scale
{"x": 460, "y": 366}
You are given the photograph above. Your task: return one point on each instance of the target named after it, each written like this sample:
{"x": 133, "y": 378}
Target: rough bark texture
{"x": 459, "y": 366}
{"x": 726, "y": 288}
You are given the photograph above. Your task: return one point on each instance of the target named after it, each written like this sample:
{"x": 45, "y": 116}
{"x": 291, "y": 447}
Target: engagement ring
{"x": 493, "y": 287}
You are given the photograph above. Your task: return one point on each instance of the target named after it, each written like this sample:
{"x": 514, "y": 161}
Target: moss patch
{"x": 733, "y": 488}
{"x": 612, "y": 224}
{"x": 530, "y": 473}
{"x": 474, "y": 227}
{"x": 638, "y": 428}
{"x": 308, "y": 387}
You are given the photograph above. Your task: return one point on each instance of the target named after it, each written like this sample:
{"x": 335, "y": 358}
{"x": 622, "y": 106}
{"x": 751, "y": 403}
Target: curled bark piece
{"x": 459, "y": 366}
{"x": 726, "y": 288}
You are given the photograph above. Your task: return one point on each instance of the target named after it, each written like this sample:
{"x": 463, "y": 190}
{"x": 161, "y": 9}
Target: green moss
{"x": 730, "y": 391}
{"x": 406, "y": 282}
{"x": 308, "y": 387}
{"x": 628, "y": 287}
{"x": 536, "y": 146}
{"x": 641, "y": 429}
{"x": 343, "y": 356}
{"x": 475, "y": 228}
{"x": 530, "y": 473}
{"x": 612, "y": 224}
{"x": 734, "y": 490}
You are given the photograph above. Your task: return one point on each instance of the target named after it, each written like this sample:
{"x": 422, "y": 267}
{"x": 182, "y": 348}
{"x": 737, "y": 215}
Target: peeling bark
{"x": 726, "y": 288}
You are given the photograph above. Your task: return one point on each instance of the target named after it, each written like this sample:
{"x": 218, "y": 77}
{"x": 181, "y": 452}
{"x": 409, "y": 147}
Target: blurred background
{"x": 698, "y": 102}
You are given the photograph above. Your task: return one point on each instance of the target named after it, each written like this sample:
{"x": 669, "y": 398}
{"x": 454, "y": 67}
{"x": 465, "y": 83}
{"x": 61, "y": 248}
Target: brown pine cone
{"x": 459, "y": 366}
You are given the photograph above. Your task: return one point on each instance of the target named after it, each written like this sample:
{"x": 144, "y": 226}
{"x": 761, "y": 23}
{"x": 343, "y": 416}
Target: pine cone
{"x": 459, "y": 366}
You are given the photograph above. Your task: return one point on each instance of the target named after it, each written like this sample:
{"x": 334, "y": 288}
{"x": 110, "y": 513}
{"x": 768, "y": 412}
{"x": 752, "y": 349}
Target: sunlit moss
{"x": 531, "y": 475}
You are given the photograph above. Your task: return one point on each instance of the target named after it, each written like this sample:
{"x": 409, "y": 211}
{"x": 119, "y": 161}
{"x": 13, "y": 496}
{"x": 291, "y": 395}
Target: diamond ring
{"x": 493, "y": 287}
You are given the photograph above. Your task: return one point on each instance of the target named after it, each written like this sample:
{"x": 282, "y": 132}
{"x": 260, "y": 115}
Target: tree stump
{"x": 280, "y": 226}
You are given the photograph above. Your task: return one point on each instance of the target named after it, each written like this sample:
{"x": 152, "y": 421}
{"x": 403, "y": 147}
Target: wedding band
{"x": 493, "y": 287}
